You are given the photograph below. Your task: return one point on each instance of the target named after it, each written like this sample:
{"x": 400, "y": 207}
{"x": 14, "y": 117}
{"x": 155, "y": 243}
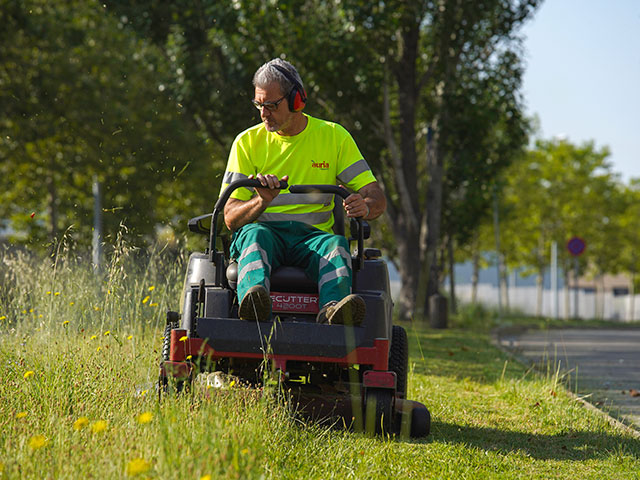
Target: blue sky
{"x": 583, "y": 75}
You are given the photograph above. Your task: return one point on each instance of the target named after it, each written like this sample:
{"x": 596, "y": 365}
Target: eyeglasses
{"x": 271, "y": 106}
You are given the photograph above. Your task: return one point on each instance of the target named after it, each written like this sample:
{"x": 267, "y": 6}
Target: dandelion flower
{"x": 205, "y": 477}
{"x": 3, "y": 317}
{"x": 21, "y": 414}
{"x": 49, "y": 292}
{"x": 28, "y": 374}
{"x": 56, "y": 294}
{"x": 93, "y": 337}
{"x": 153, "y": 304}
{"x": 146, "y": 299}
{"x": 143, "y": 393}
{"x": 72, "y": 303}
{"x": 31, "y": 310}
{"x": 152, "y": 288}
{"x": 108, "y": 332}
{"x": 137, "y": 466}
{"x": 98, "y": 349}
{"x": 38, "y": 441}
{"x": 80, "y": 423}
{"x": 130, "y": 337}
{"x": 97, "y": 309}
{"x": 184, "y": 338}
{"x": 189, "y": 357}
{"x": 66, "y": 322}
{"x": 99, "y": 426}
{"x": 145, "y": 417}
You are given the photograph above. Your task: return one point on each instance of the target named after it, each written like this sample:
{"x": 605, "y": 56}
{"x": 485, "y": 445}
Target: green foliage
{"x": 83, "y": 99}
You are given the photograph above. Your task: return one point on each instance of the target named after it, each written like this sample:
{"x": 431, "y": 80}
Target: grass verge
{"x": 77, "y": 401}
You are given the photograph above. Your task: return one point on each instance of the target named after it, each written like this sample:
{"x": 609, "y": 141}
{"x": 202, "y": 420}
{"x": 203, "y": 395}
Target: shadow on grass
{"x": 572, "y": 445}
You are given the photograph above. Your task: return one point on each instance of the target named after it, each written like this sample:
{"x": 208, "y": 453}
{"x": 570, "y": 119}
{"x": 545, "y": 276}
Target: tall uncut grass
{"x": 79, "y": 354}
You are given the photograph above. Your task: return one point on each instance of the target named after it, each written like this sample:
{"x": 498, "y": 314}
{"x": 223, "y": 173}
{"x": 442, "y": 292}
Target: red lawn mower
{"x": 356, "y": 373}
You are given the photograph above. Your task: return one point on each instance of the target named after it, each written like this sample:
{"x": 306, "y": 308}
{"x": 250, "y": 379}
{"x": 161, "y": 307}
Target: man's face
{"x": 279, "y": 119}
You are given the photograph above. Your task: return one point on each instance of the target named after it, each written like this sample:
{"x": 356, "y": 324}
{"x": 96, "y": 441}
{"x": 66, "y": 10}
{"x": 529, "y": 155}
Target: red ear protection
{"x": 297, "y": 97}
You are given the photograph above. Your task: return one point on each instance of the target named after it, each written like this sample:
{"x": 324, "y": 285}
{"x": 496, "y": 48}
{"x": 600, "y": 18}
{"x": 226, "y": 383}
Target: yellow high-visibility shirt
{"x": 323, "y": 153}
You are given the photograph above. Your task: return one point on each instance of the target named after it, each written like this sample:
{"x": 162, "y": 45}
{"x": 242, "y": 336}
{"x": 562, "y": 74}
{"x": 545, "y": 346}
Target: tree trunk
{"x": 475, "y": 275}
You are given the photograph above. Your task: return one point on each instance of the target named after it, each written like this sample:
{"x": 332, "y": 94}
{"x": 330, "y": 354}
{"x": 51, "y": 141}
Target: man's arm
{"x": 369, "y": 203}
{"x": 237, "y": 213}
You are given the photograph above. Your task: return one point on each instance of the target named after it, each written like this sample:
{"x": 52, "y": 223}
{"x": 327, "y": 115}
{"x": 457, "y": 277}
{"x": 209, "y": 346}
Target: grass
{"x": 89, "y": 410}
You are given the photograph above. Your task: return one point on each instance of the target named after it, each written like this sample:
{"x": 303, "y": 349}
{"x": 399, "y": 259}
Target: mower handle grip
{"x": 247, "y": 182}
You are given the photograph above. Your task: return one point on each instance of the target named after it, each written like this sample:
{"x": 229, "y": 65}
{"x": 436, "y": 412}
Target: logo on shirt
{"x": 321, "y": 165}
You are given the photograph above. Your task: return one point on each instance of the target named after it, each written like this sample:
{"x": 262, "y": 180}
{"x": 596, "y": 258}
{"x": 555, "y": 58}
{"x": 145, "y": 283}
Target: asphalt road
{"x": 602, "y": 365}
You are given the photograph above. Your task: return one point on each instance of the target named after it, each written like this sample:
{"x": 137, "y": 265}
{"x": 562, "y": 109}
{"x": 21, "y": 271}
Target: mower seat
{"x": 284, "y": 279}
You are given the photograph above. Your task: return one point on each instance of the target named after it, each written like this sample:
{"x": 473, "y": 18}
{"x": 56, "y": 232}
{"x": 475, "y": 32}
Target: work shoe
{"x": 348, "y": 311}
{"x": 256, "y": 304}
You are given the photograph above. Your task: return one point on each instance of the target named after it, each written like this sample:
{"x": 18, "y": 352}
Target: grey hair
{"x": 268, "y": 73}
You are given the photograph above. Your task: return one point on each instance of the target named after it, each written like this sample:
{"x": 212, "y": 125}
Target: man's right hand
{"x": 271, "y": 184}
{"x": 238, "y": 213}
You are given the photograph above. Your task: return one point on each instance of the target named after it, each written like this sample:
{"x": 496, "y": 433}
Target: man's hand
{"x": 355, "y": 206}
{"x": 271, "y": 184}
{"x": 369, "y": 203}
{"x": 238, "y": 213}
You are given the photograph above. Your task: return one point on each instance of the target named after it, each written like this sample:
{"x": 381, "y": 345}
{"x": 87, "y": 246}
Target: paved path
{"x": 605, "y": 363}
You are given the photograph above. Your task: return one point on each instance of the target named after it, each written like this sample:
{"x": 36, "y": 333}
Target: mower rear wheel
{"x": 378, "y": 415}
{"x": 399, "y": 359}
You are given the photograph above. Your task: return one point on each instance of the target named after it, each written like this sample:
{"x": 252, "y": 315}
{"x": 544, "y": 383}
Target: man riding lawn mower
{"x": 287, "y": 288}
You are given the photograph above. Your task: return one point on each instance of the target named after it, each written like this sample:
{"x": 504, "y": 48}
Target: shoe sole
{"x": 348, "y": 311}
{"x": 256, "y": 305}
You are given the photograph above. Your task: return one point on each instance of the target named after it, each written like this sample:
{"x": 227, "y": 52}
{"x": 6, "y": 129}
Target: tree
{"x": 560, "y": 190}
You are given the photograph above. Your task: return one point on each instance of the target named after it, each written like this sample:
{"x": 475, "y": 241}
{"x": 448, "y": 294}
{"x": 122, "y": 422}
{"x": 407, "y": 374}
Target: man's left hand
{"x": 355, "y": 206}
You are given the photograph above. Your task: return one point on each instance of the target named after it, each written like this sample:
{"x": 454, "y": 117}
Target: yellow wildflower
{"x": 21, "y": 414}
{"x": 129, "y": 337}
{"x": 205, "y": 477}
{"x": 108, "y": 332}
{"x": 96, "y": 309}
{"x": 3, "y": 317}
{"x": 145, "y": 417}
{"x": 38, "y": 441}
{"x": 72, "y": 303}
{"x": 28, "y": 374}
{"x": 56, "y": 294}
{"x": 137, "y": 466}
{"x": 80, "y": 423}
{"x": 66, "y": 322}
{"x": 49, "y": 292}
{"x": 99, "y": 426}
{"x": 184, "y": 338}
{"x": 98, "y": 349}
{"x": 143, "y": 393}
{"x": 189, "y": 357}
{"x": 153, "y": 304}
{"x": 146, "y": 299}
{"x": 152, "y": 288}
{"x": 93, "y": 337}
{"x": 31, "y": 310}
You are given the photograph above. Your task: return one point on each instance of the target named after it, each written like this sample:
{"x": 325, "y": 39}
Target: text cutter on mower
{"x": 358, "y": 373}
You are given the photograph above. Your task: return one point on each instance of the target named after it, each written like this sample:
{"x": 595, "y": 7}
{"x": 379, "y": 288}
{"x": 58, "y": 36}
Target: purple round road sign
{"x": 576, "y": 246}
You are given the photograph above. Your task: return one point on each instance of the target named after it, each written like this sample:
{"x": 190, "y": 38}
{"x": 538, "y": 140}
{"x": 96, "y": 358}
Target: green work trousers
{"x": 260, "y": 248}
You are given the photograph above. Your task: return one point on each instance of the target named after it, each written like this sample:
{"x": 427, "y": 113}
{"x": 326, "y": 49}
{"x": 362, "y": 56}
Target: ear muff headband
{"x": 297, "y": 97}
